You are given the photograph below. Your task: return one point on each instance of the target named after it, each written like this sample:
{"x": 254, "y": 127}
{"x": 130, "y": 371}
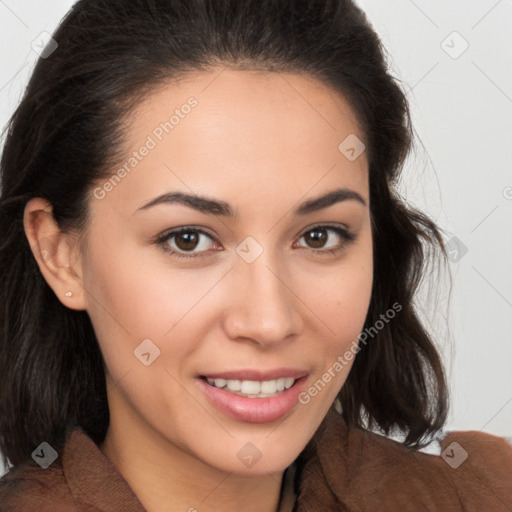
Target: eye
{"x": 185, "y": 239}
{"x": 318, "y": 236}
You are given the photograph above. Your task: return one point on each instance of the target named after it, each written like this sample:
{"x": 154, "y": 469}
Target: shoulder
{"x": 80, "y": 478}
{"x": 480, "y": 468}
{"x": 32, "y": 485}
{"x": 29, "y": 487}
{"x": 365, "y": 470}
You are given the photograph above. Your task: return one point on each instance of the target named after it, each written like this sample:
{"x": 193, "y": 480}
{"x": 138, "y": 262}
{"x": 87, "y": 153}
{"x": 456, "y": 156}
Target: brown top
{"x": 341, "y": 469}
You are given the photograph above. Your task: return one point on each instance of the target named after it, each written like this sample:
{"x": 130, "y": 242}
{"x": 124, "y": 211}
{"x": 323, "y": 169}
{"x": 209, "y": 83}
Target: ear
{"x": 56, "y": 253}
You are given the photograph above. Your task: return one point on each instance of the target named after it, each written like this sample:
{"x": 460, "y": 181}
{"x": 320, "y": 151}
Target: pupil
{"x": 190, "y": 240}
{"x": 318, "y": 241}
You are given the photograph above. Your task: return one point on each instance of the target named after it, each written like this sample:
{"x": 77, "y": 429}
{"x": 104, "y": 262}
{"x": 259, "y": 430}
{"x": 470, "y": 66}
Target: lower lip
{"x": 254, "y": 410}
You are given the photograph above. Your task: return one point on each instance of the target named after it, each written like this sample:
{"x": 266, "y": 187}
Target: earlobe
{"x": 54, "y": 251}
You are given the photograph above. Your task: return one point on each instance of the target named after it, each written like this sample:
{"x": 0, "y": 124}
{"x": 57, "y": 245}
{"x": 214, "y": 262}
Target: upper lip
{"x": 257, "y": 375}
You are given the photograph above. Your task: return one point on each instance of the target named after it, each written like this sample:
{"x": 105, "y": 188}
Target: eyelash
{"x": 347, "y": 238}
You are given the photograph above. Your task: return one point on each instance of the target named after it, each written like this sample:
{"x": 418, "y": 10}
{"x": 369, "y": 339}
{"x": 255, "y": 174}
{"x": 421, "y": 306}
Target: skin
{"x": 262, "y": 142}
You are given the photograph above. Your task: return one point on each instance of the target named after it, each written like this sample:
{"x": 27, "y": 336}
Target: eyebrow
{"x": 211, "y": 206}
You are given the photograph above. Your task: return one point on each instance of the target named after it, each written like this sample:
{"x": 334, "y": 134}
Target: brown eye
{"x": 178, "y": 242}
{"x": 186, "y": 241}
{"x": 317, "y": 238}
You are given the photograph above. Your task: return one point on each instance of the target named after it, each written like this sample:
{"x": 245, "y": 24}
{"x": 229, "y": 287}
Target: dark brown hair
{"x": 68, "y": 130}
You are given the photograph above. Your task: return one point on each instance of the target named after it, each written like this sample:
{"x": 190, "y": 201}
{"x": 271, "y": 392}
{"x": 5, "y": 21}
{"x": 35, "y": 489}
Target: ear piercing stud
{"x": 69, "y": 294}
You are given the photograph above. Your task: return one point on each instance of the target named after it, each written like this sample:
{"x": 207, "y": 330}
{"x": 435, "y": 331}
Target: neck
{"x": 165, "y": 478}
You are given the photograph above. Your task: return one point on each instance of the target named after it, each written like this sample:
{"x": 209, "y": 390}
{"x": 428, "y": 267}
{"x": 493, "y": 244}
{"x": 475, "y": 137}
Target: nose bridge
{"x": 266, "y": 308}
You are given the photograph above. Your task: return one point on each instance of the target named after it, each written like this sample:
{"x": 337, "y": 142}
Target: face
{"x": 221, "y": 313}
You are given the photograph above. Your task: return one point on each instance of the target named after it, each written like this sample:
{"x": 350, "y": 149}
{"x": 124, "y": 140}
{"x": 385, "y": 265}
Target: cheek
{"x": 128, "y": 301}
{"x": 342, "y": 296}
{"x": 133, "y": 289}
{"x": 136, "y": 295}
{"x": 342, "y": 300}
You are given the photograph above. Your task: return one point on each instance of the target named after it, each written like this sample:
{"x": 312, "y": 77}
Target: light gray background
{"x": 462, "y": 175}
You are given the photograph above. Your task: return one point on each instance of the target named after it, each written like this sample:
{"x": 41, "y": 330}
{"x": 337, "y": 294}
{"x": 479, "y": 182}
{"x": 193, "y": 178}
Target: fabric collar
{"x": 104, "y": 487}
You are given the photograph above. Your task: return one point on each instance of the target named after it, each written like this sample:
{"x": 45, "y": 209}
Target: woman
{"x": 205, "y": 262}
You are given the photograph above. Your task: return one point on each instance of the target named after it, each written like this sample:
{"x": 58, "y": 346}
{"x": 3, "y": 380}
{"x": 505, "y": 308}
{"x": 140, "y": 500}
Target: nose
{"x": 264, "y": 309}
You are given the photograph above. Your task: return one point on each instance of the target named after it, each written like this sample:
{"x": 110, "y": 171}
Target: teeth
{"x": 220, "y": 383}
{"x": 250, "y": 387}
{"x": 254, "y": 388}
{"x": 233, "y": 385}
{"x": 288, "y": 383}
{"x": 269, "y": 386}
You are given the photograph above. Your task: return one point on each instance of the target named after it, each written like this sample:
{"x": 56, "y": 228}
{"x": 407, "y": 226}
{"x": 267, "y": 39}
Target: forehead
{"x": 230, "y": 133}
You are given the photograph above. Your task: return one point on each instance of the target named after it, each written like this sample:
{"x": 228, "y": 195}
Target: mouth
{"x": 252, "y": 396}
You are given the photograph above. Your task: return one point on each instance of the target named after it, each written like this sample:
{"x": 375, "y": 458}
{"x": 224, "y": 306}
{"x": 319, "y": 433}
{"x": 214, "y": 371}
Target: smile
{"x": 254, "y": 396}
